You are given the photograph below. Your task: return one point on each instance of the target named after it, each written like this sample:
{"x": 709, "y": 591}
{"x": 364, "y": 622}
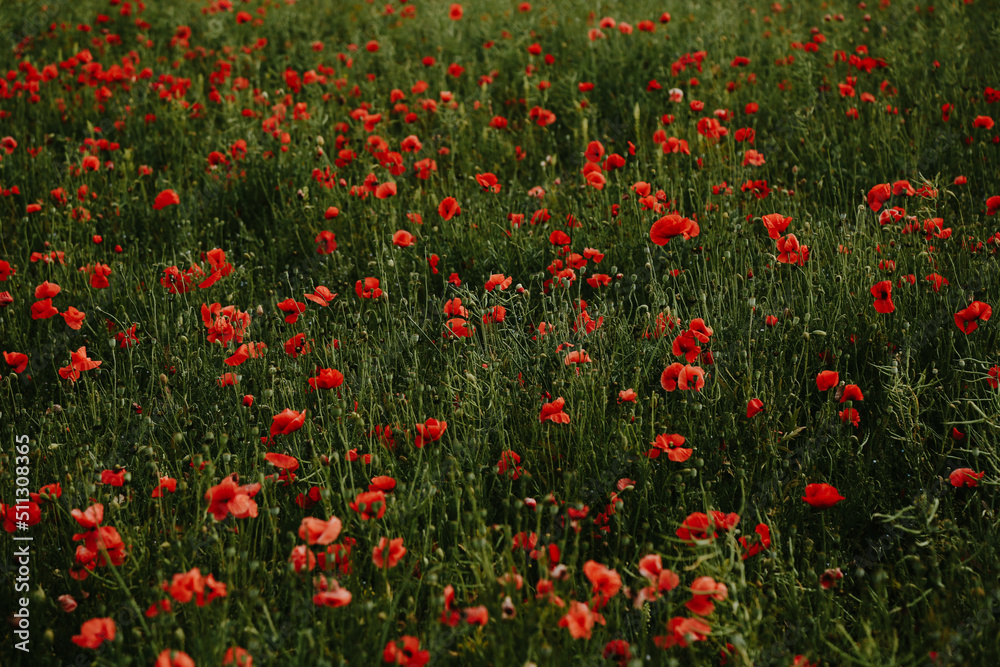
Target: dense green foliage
{"x": 141, "y": 138}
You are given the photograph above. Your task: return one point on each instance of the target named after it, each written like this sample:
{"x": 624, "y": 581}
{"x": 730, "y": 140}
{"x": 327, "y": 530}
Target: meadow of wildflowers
{"x": 499, "y": 333}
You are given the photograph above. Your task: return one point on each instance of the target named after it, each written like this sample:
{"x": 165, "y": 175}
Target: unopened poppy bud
{"x": 260, "y": 310}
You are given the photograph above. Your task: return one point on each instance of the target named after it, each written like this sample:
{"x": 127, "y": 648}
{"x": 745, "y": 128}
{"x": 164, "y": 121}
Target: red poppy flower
{"x": 385, "y": 190}
{"x": 95, "y": 632}
{"x": 74, "y": 318}
{"x": 965, "y": 477}
{"x": 168, "y": 484}
{"x": 598, "y": 280}
{"x": 229, "y": 497}
{"x": 173, "y": 658}
{"x": 850, "y": 415}
{"x": 683, "y": 377}
{"x": 827, "y": 379}
{"x": 698, "y": 524}
{"x": 984, "y": 122}
{"x": 790, "y": 252}
{"x": 553, "y": 412}
{"x": 878, "y": 195}
{"x": 967, "y": 320}
{"x": 382, "y": 483}
{"x": 882, "y": 291}
{"x": 328, "y": 378}
{"x": 822, "y": 496}
{"x": 113, "y": 477}
{"x": 43, "y": 310}
{"x": 458, "y": 327}
{"x": 191, "y": 585}
{"x": 449, "y": 208}
{"x": 627, "y": 396}
{"x": 369, "y": 289}
{"x": 330, "y": 594}
{"x": 430, "y": 431}
{"x": 326, "y": 242}
{"x": 166, "y": 198}
{"x": 241, "y": 354}
{"x": 580, "y": 620}
{"x": 992, "y": 205}
{"x": 297, "y": 345}
{"x": 763, "y": 541}
{"x": 686, "y": 345}
{"x": 79, "y": 363}
{"x": 317, "y": 531}
{"x": 672, "y": 445}
{"x": 406, "y": 652}
{"x": 559, "y": 237}
{"x": 388, "y": 552}
{"x": 495, "y": 314}
{"x": 754, "y": 406}
{"x": 321, "y": 296}
{"x": 670, "y": 226}
{"x": 99, "y": 276}
{"x": 706, "y": 589}
{"x": 937, "y": 281}
{"x": 285, "y": 463}
{"x": 605, "y": 583}
{"x": 17, "y": 360}
{"x": 498, "y": 280}
{"x": 293, "y": 308}
{"x": 775, "y": 224}
{"x": 403, "y": 239}
{"x": 370, "y": 505}
{"x": 287, "y": 421}
{"x": 852, "y": 393}
{"x": 827, "y": 580}
{"x": 758, "y": 188}
{"x": 488, "y": 182}
{"x": 237, "y": 656}
{"x": 89, "y": 518}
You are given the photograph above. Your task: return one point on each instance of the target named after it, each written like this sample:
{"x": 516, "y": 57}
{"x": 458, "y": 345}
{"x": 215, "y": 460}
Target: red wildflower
{"x": 822, "y": 496}
{"x": 388, "y": 552}
{"x": 166, "y": 198}
{"x": 229, "y": 497}
{"x": 430, "y": 431}
{"x": 95, "y": 632}
{"x": 554, "y": 412}
{"x": 965, "y": 477}
{"x": 966, "y": 319}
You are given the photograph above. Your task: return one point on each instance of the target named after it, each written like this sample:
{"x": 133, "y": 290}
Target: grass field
{"x": 503, "y": 333}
